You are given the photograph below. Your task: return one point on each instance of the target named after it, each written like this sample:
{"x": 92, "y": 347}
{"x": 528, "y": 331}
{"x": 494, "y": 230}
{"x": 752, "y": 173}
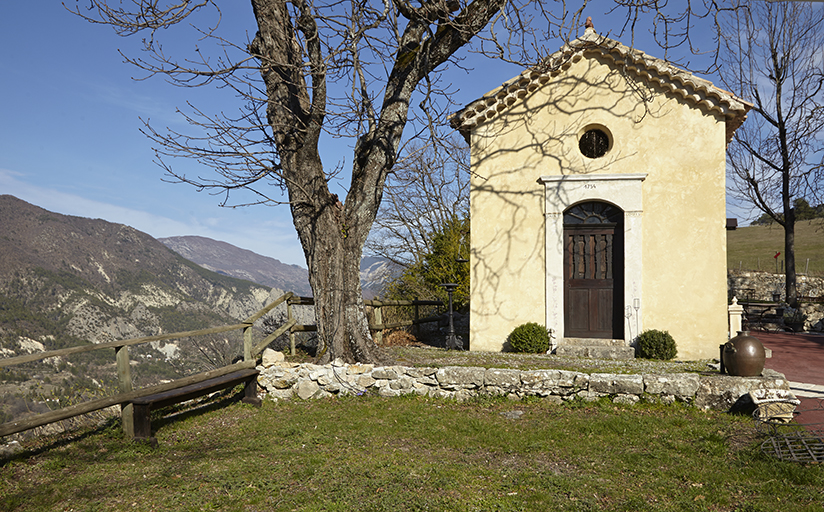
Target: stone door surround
{"x": 622, "y": 190}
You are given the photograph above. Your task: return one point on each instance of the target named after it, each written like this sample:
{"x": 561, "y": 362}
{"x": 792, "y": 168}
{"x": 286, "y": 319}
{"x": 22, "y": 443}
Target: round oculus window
{"x": 594, "y": 143}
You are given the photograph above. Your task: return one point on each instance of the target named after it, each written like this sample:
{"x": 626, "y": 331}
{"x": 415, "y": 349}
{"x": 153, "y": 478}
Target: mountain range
{"x": 65, "y": 278}
{"x": 227, "y": 259}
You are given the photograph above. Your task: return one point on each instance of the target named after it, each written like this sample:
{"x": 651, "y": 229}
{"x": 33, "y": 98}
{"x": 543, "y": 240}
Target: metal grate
{"x": 801, "y": 446}
{"x": 788, "y": 440}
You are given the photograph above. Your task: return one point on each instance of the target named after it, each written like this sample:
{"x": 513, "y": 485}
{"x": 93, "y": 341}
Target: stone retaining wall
{"x": 761, "y": 285}
{"x": 712, "y": 391}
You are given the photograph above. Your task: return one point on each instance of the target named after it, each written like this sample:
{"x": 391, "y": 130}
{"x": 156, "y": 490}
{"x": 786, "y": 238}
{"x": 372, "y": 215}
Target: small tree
{"x": 423, "y": 279}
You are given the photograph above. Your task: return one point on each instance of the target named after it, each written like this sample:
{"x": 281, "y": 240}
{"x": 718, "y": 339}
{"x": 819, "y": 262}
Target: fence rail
{"x": 123, "y": 362}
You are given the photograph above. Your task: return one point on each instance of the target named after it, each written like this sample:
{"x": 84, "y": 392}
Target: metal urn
{"x": 743, "y": 355}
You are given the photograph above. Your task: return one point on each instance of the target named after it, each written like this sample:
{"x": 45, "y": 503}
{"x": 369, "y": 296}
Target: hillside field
{"x": 754, "y": 247}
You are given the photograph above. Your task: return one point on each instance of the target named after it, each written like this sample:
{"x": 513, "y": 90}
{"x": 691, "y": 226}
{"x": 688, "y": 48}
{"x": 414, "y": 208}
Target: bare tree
{"x": 427, "y": 188}
{"x": 773, "y": 57}
{"x": 350, "y": 69}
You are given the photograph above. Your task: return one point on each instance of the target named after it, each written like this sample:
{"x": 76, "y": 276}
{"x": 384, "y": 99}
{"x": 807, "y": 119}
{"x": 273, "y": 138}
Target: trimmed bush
{"x": 529, "y": 338}
{"x": 655, "y": 344}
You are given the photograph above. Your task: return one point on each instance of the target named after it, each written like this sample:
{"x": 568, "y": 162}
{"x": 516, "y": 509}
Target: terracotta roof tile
{"x": 695, "y": 91}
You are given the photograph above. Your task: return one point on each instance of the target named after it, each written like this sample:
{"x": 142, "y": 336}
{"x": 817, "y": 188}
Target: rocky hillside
{"x": 233, "y": 261}
{"x": 227, "y": 259}
{"x": 97, "y": 281}
{"x": 375, "y": 273}
{"x": 68, "y": 281}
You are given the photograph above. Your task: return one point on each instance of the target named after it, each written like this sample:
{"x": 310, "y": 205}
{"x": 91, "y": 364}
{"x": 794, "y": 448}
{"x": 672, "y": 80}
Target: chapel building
{"x": 598, "y": 201}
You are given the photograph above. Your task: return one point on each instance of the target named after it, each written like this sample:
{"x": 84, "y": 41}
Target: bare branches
{"x": 346, "y": 67}
{"x": 143, "y": 15}
{"x": 773, "y": 58}
{"x": 428, "y": 187}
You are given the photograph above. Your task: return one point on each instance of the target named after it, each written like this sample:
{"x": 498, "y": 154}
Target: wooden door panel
{"x": 601, "y": 317}
{"x": 577, "y": 300}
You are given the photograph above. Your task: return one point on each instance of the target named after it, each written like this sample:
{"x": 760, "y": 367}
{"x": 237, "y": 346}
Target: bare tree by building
{"x": 426, "y": 189}
{"x": 773, "y": 58}
{"x": 356, "y": 70}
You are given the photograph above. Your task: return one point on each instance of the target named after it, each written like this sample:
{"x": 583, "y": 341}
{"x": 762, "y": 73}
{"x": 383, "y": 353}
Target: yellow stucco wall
{"x": 679, "y": 147}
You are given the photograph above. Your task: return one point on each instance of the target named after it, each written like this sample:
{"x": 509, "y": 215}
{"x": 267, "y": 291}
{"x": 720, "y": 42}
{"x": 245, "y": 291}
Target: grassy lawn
{"x": 753, "y": 247}
{"x": 401, "y": 454}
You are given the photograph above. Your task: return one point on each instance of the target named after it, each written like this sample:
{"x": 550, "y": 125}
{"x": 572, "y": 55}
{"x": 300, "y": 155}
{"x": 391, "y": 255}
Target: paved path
{"x": 800, "y": 357}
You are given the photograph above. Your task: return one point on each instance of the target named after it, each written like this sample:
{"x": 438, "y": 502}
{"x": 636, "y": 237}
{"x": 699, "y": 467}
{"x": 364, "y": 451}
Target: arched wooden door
{"x": 593, "y": 271}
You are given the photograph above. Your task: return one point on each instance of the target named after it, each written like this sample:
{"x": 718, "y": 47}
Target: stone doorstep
{"x": 596, "y": 352}
{"x": 593, "y": 342}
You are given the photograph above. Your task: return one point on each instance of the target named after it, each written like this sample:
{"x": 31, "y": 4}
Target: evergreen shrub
{"x": 529, "y": 338}
{"x": 655, "y": 344}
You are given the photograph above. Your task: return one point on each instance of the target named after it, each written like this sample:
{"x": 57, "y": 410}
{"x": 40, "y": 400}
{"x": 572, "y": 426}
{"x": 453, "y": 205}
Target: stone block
{"x": 539, "y": 379}
{"x": 421, "y": 373}
{"x": 726, "y": 392}
{"x": 366, "y": 381}
{"x": 626, "y": 399}
{"x": 677, "y": 384}
{"x": 358, "y": 369}
{"x": 458, "y": 377}
{"x": 386, "y": 391}
{"x": 306, "y": 389}
{"x": 271, "y": 357}
{"x": 502, "y": 378}
{"x": 404, "y": 383}
{"x": 614, "y": 384}
{"x": 385, "y": 373}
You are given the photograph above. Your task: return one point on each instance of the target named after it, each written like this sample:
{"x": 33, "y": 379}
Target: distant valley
{"x": 68, "y": 281}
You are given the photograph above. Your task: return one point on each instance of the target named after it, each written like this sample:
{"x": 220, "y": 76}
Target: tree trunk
{"x": 789, "y": 260}
{"x": 333, "y": 255}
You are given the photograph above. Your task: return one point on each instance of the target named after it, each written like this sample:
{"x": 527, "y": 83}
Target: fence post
{"x": 247, "y": 343}
{"x": 376, "y": 307}
{"x": 416, "y": 326}
{"x": 124, "y": 376}
{"x": 291, "y": 331}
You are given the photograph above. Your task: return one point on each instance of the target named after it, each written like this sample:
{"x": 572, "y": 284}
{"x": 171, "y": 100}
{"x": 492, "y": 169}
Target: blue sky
{"x": 70, "y": 139}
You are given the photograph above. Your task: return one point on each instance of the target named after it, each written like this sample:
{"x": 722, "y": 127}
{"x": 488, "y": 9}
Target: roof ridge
{"x": 696, "y": 91}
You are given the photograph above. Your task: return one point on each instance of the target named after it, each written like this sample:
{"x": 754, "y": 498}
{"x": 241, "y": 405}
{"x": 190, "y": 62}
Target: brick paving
{"x": 800, "y": 357}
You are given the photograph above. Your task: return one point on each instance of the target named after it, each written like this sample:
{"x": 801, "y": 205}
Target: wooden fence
{"x": 250, "y": 353}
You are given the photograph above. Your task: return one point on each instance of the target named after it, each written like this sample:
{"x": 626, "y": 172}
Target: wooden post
{"x": 247, "y": 343}
{"x": 291, "y": 331}
{"x": 376, "y": 307}
{"x": 124, "y": 376}
{"x": 250, "y": 390}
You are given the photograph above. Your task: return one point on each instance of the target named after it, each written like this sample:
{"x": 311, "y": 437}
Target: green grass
{"x": 753, "y": 247}
{"x": 372, "y": 454}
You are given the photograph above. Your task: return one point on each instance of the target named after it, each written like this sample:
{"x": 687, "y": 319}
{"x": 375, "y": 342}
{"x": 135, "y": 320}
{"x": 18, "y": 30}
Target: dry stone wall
{"x": 761, "y": 286}
{"x": 283, "y": 380}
